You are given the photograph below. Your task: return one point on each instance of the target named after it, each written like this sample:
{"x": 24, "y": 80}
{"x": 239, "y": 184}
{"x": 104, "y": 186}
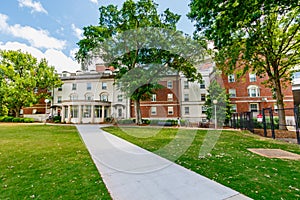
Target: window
{"x": 153, "y": 110}
{"x": 253, "y": 107}
{"x": 74, "y": 111}
{"x": 202, "y": 84}
{"x": 253, "y": 91}
{"x": 74, "y": 86}
{"x": 103, "y": 97}
{"x": 233, "y": 107}
{"x": 98, "y": 111}
{"x": 231, "y": 78}
{"x": 170, "y": 84}
{"x": 187, "y": 110}
{"x": 252, "y": 77}
{"x": 204, "y": 108}
{"x": 170, "y": 97}
{"x": 73, "y": 97}
{"x": 232, "y": 93}
{"x": 120, "y": 112}
{"x": 59, "y": 99}
{"x": 87, "y": 111}
{"x": 104, "y": 85}
{"x": 186, "y": 85}
{"x": 120, "y": 98}
{"x": 203, "y": 97}
{"x": 59, "y": 89}
{"x": 88, "y": 86}
{"x": 153, "y": 98}
{"x": 170, "y": 110}
{"x": 186, "y": 97}
{"x": 89, "y": 97}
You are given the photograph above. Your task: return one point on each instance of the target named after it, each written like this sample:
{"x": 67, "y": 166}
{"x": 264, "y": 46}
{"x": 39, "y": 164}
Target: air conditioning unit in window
{"x": 264, "y": 99}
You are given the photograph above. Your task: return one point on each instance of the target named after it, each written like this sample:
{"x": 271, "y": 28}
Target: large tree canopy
{"x": 21, "y": 74}
{"x": 142, "y": 44}
{"x": 255, "y": 35}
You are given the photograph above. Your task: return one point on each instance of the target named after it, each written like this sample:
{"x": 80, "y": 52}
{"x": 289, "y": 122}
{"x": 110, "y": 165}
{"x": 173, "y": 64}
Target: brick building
{"x": 249, "y": 94}
{"x": 164, "y": 103}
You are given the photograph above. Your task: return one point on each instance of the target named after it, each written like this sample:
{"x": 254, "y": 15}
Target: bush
{"x": 8, "y": 119}
{"x": 16, "y": 119}
{"x": 126, "y": 121}
{"x": 57, "y": 118}
{"x": 28, "y": 120}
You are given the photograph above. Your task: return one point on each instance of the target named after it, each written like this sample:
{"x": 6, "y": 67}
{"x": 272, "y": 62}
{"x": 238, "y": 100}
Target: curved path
{"x": 131, "y": 172}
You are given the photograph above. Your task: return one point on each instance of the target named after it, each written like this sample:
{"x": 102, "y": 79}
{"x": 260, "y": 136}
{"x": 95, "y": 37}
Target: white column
{"x": 69, "y": 114}
{"x": 63, "y": 114}
{"x": 93, "y": 113}
{"x": 102, "y": 116}
{"x": 80, "y": 114}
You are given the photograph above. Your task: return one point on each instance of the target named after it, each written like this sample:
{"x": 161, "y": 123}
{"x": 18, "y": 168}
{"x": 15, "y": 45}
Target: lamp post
{"x": 215, "y": 103}
{"x": 46, "y": 101}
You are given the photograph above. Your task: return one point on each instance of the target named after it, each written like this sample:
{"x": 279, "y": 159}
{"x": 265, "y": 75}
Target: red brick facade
{"x": 165, "y": 103}
{"x": 250, "y": 91}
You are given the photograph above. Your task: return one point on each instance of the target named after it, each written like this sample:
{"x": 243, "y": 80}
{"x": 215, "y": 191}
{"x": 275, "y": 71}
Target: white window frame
{"x": 253, "y": 91}
{"x": 88, "y": 86}
{"x": 232, "y": 93}
{"x": 202, "y": 84}
{"x": 186, "y": 97}
{"x": 153, "y": 110}
{"x": 186, "y": 110}
{"x": 169, "y": 84}
{"x": 170, "y": 110}
{"x": 170, "y": 97}
{"x": 185, "y": 85}
{"x": 250, "y": 107}
{"x": 252, "y": 77}
{"x": 153, "y": 98}
{"x": 231, "y": 78}
{"x": 104, "y": 86}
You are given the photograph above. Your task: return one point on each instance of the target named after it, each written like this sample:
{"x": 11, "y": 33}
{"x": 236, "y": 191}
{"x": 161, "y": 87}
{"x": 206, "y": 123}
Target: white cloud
{"x": 77, "y": 32}
{"x": 36, "y": 6}
{"x": 94, "y": 1}
{"x": 55, "y": 58}
{"x": 37, "y": 38}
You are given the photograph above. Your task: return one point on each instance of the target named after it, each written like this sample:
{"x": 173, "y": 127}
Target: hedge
{"x": 15, "y": 119}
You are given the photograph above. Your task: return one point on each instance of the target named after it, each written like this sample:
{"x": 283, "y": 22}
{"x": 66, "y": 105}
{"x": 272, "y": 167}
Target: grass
{"x": 46, "y": 162}
{"x": 229, "y": 162}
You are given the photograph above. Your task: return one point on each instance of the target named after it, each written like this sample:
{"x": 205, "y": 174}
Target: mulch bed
{"x": 278, "y": 133}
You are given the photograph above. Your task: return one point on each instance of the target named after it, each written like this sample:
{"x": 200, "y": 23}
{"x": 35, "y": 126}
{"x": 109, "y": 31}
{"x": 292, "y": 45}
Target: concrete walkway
{"x": 132, "y": 173}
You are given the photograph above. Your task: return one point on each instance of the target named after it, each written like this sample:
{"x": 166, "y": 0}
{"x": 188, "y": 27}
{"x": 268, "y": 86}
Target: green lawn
{"x": 46, "y": 162}
{"x": 229, "y": 163}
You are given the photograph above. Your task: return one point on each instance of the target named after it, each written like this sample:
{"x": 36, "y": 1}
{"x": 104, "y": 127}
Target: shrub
{"x": 126, "y": 121}
{"x": 8, "y": 119}
{"x": 57, "y": 118}
{"x": 16, "y": 119}
{"x": 28, "y": 120}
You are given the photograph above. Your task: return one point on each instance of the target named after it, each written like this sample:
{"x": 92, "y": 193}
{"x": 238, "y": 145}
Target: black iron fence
{"x": 266, "y": 122}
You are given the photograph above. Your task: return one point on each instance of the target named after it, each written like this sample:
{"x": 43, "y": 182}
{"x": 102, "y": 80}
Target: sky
{"x": 51, "y": 28}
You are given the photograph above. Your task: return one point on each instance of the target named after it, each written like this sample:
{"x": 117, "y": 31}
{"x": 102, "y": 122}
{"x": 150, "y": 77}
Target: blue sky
{"x": 51, "y": 28}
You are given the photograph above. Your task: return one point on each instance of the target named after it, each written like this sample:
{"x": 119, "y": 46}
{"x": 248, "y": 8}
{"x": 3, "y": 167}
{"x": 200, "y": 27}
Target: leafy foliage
{"x": 142, "y": 45}
{"x": 21, "y": 74}
{"x": 223, "y": 108}
{"x": 258, "y": 36}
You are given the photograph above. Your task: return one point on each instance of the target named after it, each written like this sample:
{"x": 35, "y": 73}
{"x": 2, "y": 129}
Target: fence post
{"x": 296, "y": 115}
{"x": 264, "y": 122}
{"x": 272, "y": 122}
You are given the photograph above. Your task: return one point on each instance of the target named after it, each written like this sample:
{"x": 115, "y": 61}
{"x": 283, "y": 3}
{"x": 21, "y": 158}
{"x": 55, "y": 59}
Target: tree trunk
{"x": 17, "y": 112}
{"x": 280, "y": 104}
{"x": 138, "y": 115}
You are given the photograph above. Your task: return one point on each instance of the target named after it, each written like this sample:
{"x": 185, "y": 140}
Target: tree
{"x": 21, "y": 75}
{"x": 258, "y": 36}
{"x": 142, "y": 44}
{"x": 223, "y": 107}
